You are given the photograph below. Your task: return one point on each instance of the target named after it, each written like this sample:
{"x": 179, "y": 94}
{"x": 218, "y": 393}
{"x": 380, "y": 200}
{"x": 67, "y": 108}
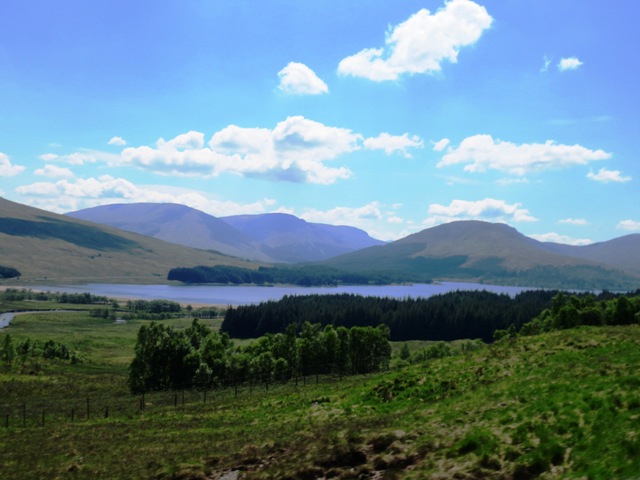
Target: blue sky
{"x": 392, "y": 116}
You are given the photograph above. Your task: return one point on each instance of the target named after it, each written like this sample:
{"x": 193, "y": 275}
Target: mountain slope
{"x": 622, "y": 252}
{"x": 45, "y": 246}
{"x": 485, "y": 252}
{"x": 291, "y": 239}
{"x": 176, "y": 224}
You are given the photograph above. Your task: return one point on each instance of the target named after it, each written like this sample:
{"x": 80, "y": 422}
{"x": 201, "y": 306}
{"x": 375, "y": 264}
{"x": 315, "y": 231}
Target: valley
{"x": 49, "y": 248}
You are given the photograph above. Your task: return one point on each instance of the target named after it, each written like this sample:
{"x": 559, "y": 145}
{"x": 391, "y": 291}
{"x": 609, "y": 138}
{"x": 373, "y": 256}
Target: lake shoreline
{"x": 234, "y": 295}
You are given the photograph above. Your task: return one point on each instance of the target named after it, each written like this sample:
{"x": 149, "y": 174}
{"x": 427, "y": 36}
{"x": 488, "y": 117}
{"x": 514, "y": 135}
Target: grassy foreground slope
{"x": 565, "y": 404}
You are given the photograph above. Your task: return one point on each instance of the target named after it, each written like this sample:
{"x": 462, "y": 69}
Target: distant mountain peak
{"x": 271, "y": 237}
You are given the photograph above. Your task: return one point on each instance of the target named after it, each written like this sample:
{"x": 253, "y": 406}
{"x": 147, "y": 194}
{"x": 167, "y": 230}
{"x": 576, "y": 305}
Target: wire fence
{"x": 47, "y": 411}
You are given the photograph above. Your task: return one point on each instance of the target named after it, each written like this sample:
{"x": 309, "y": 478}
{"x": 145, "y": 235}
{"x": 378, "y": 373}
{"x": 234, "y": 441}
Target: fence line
{"x": 85, "y": 408}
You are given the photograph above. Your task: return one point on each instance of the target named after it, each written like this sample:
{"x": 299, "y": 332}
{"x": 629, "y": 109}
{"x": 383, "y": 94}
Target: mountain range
{"x": 44, "y": 245}
{"x": 272, "y": 237}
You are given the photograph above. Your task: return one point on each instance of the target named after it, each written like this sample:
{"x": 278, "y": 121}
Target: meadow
{"x": 564, "y": 404}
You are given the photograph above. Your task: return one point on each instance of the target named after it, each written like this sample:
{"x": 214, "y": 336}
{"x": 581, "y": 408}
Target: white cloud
{"x": 391, "y": 144}
{"x": 608, "y": 176}
{"x": 344, "y": 215}
{"x": 7, "y": 169}
{"x": 118, "y": 141}
{"x": 296, "y": 150}
{"x": 370, "y": 218}
{"x": 574, "y": 221}
{"x": 630, "y": 225}
{"x": 559, "y": 238}
{"x": 440, "y": 145}
{"x": 44, "y": 189}
{"x": 481, "y": 152}
{"x": 54, "y": 172}
{"x": 49, "y": 157}
{"x": 570, "y": 63}
{"x": 488, "y": 209}
{"x": 65, "y": 196}
{"x": 298, "y": 79}
{"x": 421, "y": 43}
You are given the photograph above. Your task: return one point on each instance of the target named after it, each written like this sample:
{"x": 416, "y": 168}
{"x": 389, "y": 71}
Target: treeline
{"x": 450, "y": 316}
{"x": 167, "y": 358}
{"x": 306, "y": 275}
{"x": 569, "y": 311}
{"x": 14, "y": 295}
{"x": 141, "y": 310}
{"x": 8, "y": 272}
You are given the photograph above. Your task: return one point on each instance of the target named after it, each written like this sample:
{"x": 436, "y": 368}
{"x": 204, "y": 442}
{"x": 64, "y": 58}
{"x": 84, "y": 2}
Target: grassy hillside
{"x": 558, "y": 405}
{"x": 46, "y": 247}
{"x": 484, "y": 252}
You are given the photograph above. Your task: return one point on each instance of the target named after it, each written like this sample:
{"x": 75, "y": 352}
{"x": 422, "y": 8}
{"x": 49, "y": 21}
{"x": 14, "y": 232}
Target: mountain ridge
{"x": 273, "y": 237}
{"x": 486, "y": 252}
{"x": 45, "y": 246}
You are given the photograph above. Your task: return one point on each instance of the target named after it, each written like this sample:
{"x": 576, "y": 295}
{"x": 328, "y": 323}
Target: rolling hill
{"x": 491, "y": 253}
{"x": 269, "y": 237}
{"x": 45, "y": 246}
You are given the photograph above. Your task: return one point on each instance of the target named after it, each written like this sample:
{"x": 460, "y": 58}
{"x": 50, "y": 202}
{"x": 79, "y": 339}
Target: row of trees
{"x": 167, "y": 358}
{"x": 304, "y": 275}
{"x": 15, "y": 295}
{"x": 450, "y": 316}
{"x": 568, "y": 311}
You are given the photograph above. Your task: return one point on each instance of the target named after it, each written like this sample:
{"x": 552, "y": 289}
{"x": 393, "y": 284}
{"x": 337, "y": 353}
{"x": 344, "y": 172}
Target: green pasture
{"x": 560, "y": 405}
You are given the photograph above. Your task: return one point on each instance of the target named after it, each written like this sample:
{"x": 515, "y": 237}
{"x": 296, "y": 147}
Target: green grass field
{"x": 560, "y": 405}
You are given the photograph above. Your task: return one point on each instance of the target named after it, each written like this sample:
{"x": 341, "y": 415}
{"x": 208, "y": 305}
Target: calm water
{"x": 244, "y": 295}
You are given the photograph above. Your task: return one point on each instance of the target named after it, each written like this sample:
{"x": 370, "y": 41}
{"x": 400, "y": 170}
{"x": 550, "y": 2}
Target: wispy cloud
{"x": 559, "y": 238}
{"x": 421, "y": 43}
{"x": 482, "y": 152}
{"x": 608, "y": 176}
{"x": 298, "y": 79}
{"x": 574, "y": 221}
{"x": 440, "y": 145}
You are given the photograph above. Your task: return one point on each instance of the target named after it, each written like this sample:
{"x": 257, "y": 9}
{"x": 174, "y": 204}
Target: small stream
{"x": 5, "y": 318}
